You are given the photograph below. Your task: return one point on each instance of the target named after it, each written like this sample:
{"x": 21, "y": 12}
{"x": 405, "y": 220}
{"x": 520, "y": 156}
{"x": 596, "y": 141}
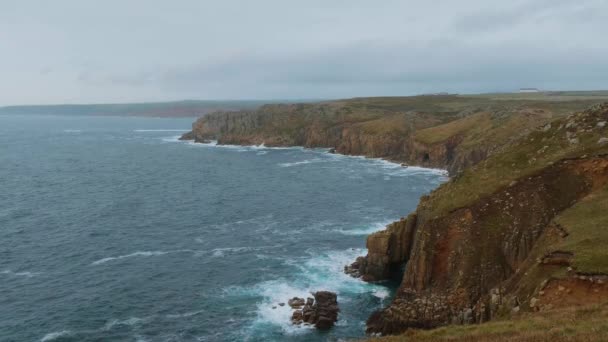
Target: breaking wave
{"x": 55, "y": 335}
{"x": 140, "y": 254}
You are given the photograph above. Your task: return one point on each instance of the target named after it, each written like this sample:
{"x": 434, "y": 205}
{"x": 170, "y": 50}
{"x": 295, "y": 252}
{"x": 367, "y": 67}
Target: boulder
{"x": 297, "y": 317}
{"x": 320, "y": 311}
{"x": 296, "y": 302}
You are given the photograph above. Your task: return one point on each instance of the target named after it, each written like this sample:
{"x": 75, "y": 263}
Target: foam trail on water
{"x": 186, "y": 314}
{"x": 365, "y": 230}
{"x": 127, "y": 322}
{"x": 20, "y": 274}
{"x": 55, "y": 335}
{"x": 139, "y": 254}
{"x": 303, "y": 162}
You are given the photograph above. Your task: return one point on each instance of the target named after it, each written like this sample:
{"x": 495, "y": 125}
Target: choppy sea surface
{"x": 113, "y": 230}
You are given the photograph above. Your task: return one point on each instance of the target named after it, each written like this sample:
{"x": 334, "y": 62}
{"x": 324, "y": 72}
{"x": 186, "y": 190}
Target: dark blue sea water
{"x": 112, "y": 230}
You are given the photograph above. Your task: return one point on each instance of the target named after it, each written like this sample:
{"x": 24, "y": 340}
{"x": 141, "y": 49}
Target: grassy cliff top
{"x": 569, "y": 137}
{"x": 588, "y": 323}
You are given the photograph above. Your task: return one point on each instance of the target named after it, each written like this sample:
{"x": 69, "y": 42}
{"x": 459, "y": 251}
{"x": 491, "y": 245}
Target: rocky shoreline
{"x": 487, "y": 243}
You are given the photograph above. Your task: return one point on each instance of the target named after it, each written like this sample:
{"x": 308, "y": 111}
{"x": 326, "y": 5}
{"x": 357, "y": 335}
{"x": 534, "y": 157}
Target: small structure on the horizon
{"x": 443, "y": 93}
{"x": 529, "y": 90}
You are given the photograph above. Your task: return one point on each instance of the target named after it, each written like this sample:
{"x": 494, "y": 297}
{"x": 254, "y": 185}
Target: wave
{"x": 372, "y": 228}
{"x": 127, "y": 322}
{"x": 221, "y": 252}
{"x": 186, "y": 314}
{"x": 160, "y": 130}
{"x": 140, "y": 254}
{"x": 20, "y": 274}
{"x": 320, "y": 271}
{"x": 72, "y": 131}
{"x": 174, "y": 138}
{"x": 303, "y": 162}
{"x": 55, "y": 335}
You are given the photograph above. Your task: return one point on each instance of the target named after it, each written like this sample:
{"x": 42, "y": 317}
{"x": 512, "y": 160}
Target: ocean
{"x": 111, "y": 229}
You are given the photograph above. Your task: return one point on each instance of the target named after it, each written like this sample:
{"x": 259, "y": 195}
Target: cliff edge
{"x": 448, "y": 132}
{"x": 522, "y": 230}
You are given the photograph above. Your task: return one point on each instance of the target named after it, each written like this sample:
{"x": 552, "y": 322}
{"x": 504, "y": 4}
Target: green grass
{"x": 527, "y": 156}
{"x": 587, "y": 224}
{"x": 588, "y": 323}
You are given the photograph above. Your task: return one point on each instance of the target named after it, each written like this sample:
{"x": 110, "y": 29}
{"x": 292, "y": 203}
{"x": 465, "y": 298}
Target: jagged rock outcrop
{"x": 322, "y": 312}
{"x": 388, "y": 250}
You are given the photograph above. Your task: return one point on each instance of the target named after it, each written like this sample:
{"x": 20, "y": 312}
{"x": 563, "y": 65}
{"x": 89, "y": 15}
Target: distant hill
{"x": 188, "y": 108}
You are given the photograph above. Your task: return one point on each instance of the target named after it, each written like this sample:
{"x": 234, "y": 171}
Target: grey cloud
{"x": 155, "y": 50}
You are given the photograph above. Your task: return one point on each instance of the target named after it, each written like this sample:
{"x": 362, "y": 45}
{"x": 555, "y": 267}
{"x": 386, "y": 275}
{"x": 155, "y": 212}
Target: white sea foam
{"x": 55, "y": 335}
{"x": 20, "y": 274}
{"x": 303, "y": 162}
{"x": 372, "y": 228}
{"x": 72, "y": 131}
{"x": 185, "y": 314}
{"x": 127, "y": 322}
{"x": 174, "y": 138}
{"x": 322, "y": 271}
{"x": 140, "y": 254}
{"x": 160, "y": 130}
{"x": 221, "y": 252}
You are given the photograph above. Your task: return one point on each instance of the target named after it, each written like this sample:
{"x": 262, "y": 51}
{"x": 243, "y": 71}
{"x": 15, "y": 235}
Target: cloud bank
{"x": 119, "y": 51}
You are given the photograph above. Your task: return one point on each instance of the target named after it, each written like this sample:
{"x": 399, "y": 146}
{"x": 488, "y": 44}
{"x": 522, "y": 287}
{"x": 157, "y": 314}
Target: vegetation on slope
{"x": 589, "y": 323}
{"x": 563, "y": 138}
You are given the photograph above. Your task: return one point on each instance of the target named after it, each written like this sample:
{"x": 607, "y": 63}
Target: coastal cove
{"x": 485, "y": 244}
{"x": 145, "y": 237}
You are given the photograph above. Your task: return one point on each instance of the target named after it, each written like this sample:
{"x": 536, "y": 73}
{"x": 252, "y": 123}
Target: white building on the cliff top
{"x": 529, "y": 90}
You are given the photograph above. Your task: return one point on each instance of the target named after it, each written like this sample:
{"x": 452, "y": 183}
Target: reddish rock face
{"x": 458, "y": 260}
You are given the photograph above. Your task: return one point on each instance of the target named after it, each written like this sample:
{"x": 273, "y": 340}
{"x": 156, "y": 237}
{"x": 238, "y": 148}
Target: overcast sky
{"x": 82, "y": 51}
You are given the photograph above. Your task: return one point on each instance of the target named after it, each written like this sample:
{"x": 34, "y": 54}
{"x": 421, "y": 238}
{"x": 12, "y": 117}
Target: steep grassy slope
{"x": 587, "y": 323}
{"x": 522, "y": 230}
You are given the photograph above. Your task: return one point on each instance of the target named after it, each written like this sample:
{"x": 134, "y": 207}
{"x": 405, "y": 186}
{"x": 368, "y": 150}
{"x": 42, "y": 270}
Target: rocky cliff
{"x": 519, "y": 227}
{"x": 446, "y": 132}
{"x": 491, "y": 242}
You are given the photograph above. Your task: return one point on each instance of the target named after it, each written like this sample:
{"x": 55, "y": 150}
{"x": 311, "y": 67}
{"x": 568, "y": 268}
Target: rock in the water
{"x": 187, "y": 136}
{"x": 325, "y": 309}
{"x": 296, "y": 302}
{"x": 332, "y": 150}
{"x": 310, "y": 301}
{"x": 322, "y": 311}
{"x": 297, "y": 317}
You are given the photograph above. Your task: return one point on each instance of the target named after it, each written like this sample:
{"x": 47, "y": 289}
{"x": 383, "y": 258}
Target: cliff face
{"x": 502, "y": 247}
{"x": 455, "y": 136}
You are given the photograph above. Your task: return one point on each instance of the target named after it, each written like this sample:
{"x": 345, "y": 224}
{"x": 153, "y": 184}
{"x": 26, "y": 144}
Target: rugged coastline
{"x": 505, "y": 235}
